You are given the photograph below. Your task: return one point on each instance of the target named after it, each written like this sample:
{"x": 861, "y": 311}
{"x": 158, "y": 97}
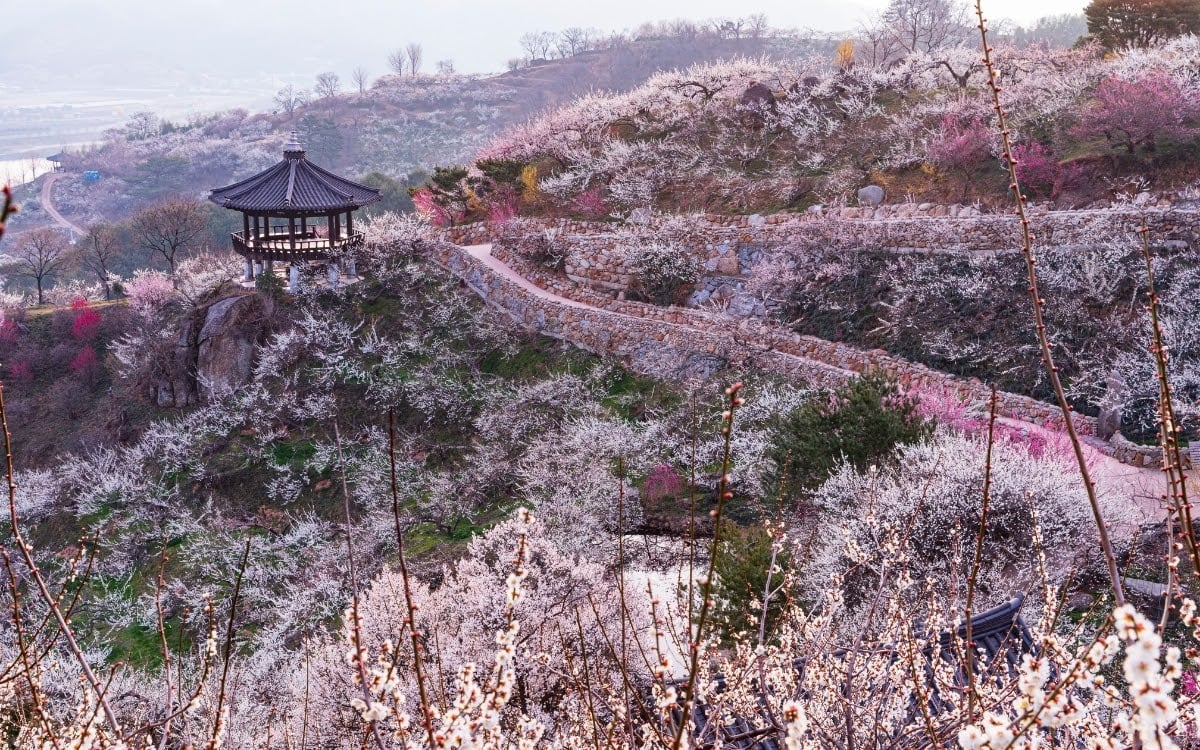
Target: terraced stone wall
{"x": 662, "y": 341}
{"x": 728, "y": 247}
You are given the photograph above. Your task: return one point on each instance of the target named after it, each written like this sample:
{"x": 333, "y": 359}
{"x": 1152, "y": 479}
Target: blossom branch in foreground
{"x": 1038, "y": 305}
{"x": 723, "y": 495}
{"x": 43, "y": 589}
{"x": 418, "y": 665}
{"x": 1172, "y": 455}
{"x": 977, "y": 562}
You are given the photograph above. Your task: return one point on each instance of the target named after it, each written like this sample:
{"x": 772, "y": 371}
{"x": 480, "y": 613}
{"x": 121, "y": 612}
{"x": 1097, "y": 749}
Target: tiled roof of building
{"x": 999, "y": 633}
{"x": 296, "y": 186}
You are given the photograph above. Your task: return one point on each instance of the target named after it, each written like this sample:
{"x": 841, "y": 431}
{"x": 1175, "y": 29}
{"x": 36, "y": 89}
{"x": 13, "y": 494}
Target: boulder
{"x": 728, "y": 265}
{"x": 758, "y": 94}
{"x": 214, "y": 351}
{"x": 640, "y": 216}
{"x": 871, "y": 195}
{"x": 175, "y": 385}
{"x": 232, "y": 330}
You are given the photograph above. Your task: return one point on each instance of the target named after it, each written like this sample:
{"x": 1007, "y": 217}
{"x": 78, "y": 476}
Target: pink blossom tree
{"x": 662, "y": 483}
{"x": 1037, "y": 168}
{"x": 10, "y": 331}
{"x": 149, "y": 290}
{"x": 960, "y": 145}
{"x": 1144, "y": 113}
{"x": 87, "y": 321}
{"x": 86, "y": 365}
{"x": 428, "y": 207}
{"x": 591, "y": 203}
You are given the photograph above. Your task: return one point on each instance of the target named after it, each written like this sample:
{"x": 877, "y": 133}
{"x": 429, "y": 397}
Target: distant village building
{"x": 297, "y": 214}
{"x": 56, "y": 161}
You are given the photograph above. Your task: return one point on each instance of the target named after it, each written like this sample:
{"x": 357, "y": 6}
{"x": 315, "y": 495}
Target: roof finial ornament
{"x": 292, "y": 149}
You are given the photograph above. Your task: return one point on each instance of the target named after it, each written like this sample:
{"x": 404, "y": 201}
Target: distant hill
{"x": 404, "y": 123}
{"x": 757, "y": 135}
{"x": 401, "y": 126}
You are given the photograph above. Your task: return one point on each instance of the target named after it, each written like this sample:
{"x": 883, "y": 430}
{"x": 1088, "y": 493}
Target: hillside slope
{"x": 761, "y": 135}
{"x": 401, "y": 126}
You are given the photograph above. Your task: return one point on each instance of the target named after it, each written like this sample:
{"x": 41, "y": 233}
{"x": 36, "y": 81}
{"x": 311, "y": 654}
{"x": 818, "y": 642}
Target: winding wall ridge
{"x": 729, "y": 247}
{"x": 633, "y": 331}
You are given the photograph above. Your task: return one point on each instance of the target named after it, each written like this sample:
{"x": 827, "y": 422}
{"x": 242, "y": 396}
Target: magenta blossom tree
{"x": 662, "y": 483}
{"x": 1037, "y": 168}
{"x": 1141, "y": 114}
{"x": 960, "y": 145}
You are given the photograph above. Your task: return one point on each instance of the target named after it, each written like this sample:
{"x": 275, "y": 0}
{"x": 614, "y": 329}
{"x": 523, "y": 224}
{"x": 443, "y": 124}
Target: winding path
{"x": 483, "y": 254}
{"x": 48, "y": 204}
{"x": 1137, "y": 491}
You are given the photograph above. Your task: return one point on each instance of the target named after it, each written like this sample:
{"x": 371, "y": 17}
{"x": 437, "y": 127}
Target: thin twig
{"x": 356, "y": 623}
{"x": 1168, "y": 433}
{"x": 723, "y": 494}
{"x": 214, "y": 740}
{"x": 30, "y": 666}
{"x": 1038, "y": 305}
{"x": 973, "y": 576}
{"x": 43, "y": 589}
{"x": 414, "y": 634}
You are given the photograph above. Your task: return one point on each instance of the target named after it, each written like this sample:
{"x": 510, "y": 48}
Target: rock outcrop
{"x": 214, "y": 352}
{"x": 871, "y": 195}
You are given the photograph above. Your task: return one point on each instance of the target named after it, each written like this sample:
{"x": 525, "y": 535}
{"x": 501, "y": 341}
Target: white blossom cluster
{"x": 685, "y": 138}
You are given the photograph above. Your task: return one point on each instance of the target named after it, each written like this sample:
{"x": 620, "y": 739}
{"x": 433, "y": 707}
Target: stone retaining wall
{"x": 1133, "y": 454}
{"x": 635, "y": 331}
{"x": 650, "y": 338}
{"x": 730, "y": 246}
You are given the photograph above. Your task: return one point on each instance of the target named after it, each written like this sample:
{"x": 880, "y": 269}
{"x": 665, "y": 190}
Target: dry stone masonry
{"x": 586, "y": 303}
{"x": 729, "y": 246}
{"x": 624, "y": 328}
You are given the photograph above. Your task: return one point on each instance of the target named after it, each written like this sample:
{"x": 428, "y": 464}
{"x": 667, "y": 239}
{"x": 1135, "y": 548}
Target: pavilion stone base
{"x": 339, "y": 273}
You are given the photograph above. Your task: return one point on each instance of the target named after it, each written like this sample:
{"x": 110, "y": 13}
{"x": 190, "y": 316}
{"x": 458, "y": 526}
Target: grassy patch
{"x": 141, "y": 646}
{"x": 527, "y": 362}
{"x": 37, "y": 311}
{"x": 631, "y": 396}
{"x": 533, "y": 359}
{"x": 299, "y": 452}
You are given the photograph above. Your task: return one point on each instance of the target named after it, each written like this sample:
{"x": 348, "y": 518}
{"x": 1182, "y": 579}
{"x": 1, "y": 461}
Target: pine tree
{"x": 860, "y": 423}
{"x": 1121, "y": 24}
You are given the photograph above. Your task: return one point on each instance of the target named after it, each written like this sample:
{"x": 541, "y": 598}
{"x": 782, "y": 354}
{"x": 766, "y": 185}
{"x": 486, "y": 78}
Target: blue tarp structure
{"x": 91, "y": 176}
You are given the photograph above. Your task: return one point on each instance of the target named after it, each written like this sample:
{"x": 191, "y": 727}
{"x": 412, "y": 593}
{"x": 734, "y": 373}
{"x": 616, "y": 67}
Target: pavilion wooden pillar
{"x": 295, "y": 191}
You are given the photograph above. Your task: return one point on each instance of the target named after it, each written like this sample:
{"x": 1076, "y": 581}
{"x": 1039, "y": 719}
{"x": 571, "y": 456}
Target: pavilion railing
{"x": 285, "y": 246}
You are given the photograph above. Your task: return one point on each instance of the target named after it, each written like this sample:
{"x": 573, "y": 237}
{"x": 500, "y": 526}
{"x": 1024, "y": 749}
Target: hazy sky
{"x": 302, "y": 37}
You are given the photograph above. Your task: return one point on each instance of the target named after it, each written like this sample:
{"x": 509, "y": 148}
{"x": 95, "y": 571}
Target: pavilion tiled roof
{"x": 999, "y": 633}
{"x": 296, "y": 186}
